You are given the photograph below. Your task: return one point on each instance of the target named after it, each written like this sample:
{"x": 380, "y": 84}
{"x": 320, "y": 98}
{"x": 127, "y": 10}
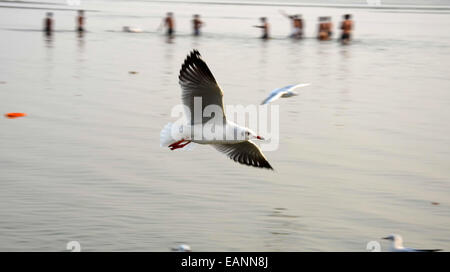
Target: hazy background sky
{"x": 355, "y": 2}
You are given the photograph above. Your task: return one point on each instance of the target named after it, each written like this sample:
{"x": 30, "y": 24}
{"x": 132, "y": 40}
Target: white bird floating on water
{"x": 131, "y": 29}
{"x": 182, "y": 248}
{"x": 286, "y": 91}
{"x": 397, "y": 245}
{"x": 196, "y": 80}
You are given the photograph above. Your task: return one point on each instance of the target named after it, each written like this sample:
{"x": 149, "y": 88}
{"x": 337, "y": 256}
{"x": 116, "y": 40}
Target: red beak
{"x": 259, "y": 138}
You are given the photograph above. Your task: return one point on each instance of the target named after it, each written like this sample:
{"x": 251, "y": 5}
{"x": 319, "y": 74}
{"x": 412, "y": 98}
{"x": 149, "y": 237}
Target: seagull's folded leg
{"x": 179, "y": 144}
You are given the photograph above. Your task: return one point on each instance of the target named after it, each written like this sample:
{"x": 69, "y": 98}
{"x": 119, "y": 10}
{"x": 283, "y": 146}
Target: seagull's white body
{"x": 197, "y": 81}
{"x": 397, "y": 245}
{"x": 284, "y": 92}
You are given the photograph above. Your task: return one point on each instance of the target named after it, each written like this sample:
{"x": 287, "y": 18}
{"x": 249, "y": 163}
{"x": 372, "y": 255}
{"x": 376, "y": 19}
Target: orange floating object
{"x": 15, "y": 114}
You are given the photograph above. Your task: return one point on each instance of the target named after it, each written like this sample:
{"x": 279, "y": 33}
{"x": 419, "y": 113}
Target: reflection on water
{"x": 80, "y": 35}
{"x": 48, "y": 37}
{"x": 282, "y": 227}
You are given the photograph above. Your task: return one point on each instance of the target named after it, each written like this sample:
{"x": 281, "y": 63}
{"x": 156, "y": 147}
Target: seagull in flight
{"x": 197, "y": 81}
{"x": 397, "y": 245}
{"x": 286, "y": 91}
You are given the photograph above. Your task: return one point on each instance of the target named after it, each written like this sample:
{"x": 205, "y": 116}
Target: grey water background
{"x": 363, "y": 151}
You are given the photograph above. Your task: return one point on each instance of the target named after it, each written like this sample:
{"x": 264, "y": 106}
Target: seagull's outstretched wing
{"x": 293, "y": 87}
{"x": 196, "y": 80}
{"x": 277, "y": 93}
{"x": 245, "y": 153}
{"x": 274, "y": 95}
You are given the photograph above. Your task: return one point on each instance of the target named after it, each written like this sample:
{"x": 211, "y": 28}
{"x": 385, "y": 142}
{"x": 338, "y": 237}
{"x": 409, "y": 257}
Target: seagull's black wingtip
{"x": 265, "y": 165}
{"x": 262, "y": 164}
{"x": 269, "y": 167}
{"x": 195, "y": 54}
{"x": 192, "y": 57}
{"x": 195, "y": 68}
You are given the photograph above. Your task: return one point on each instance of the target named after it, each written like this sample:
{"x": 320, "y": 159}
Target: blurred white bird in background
{"x": 182, "y": 248}
{"x": 284, "y": 92}
{"x": 397, "y": 245}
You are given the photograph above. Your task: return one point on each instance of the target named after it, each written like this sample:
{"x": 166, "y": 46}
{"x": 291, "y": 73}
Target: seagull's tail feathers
{"x": 165, "y": 137}
{"x": 170, "y": 134}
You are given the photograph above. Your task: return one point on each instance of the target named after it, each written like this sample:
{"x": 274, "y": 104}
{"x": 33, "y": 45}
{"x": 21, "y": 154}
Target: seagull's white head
{"x": 397, "y": 240}
{"x": 248, "y": 134}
